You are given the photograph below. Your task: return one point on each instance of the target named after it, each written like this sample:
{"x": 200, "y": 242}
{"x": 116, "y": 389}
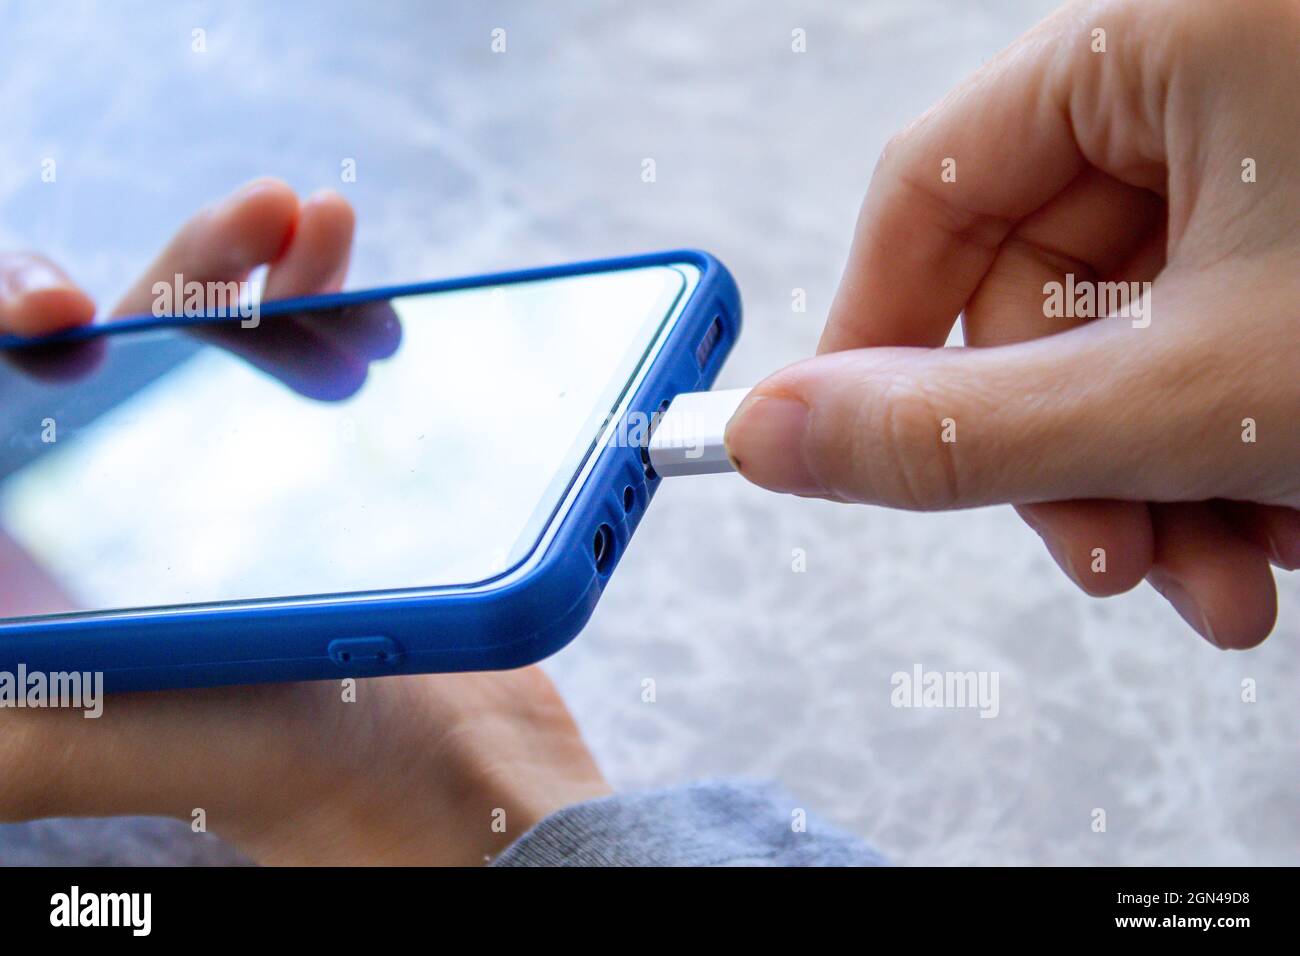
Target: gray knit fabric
{"x": 723, "y": 823}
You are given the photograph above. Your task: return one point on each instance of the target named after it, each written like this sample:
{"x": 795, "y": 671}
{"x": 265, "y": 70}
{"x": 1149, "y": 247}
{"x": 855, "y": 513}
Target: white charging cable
{"x": 687, "y": 438}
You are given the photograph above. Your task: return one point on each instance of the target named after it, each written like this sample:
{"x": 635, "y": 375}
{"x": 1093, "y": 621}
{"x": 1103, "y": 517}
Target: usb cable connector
{"x": 687, "y": 438}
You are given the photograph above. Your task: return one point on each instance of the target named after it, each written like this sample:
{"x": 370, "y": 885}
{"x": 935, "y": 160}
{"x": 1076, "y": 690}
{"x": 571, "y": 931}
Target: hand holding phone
{"x": 435, "y": 477}
{"x": 264, "y": 765}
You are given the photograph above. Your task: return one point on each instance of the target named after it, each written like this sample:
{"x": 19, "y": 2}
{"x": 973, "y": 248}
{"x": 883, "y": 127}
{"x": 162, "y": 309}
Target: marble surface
{"x": 470, "y": 161}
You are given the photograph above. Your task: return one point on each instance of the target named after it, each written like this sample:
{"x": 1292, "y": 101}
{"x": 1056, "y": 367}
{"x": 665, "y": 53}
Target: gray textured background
{"x": 470, "y": 161}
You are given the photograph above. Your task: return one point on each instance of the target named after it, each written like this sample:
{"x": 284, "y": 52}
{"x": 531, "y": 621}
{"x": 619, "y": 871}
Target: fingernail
{"x": 765, "y": 441}
{"x": 248, "y": 190}
{"x": 1028, "y": 517}
{"x": 36, "y": 278}
{"x": 1061, "y": 556}
{"x": 320, "y": 195}
{"x": 1287, "y": 558}
{"x": 1182, "y": 601}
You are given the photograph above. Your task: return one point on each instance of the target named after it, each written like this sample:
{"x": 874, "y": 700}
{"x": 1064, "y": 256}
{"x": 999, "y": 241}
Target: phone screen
{"x": 421, "y": 441}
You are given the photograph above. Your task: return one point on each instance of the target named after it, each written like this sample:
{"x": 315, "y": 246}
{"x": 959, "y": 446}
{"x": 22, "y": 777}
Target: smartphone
{"x": 436, "y": 477}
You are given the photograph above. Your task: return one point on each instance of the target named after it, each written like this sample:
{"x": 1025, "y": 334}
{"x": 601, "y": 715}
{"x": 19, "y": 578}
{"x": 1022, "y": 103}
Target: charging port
{"x": 645, "y": 445}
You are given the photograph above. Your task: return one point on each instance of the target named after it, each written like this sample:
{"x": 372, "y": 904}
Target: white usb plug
{"x": 687, "y": 438}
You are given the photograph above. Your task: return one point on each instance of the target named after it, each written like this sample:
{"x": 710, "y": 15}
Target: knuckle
{"x": 898, "y": 447}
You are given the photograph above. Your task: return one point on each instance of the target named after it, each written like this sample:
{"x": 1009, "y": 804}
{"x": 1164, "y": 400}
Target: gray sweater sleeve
{"x": 723, "y": 823}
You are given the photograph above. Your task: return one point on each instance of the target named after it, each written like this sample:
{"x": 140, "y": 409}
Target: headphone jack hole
{"x": 602, "y": 549}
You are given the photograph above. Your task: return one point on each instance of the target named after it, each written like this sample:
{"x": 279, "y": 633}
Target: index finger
{"x": 952, "y": 186}
{"x": 37, "y": 297}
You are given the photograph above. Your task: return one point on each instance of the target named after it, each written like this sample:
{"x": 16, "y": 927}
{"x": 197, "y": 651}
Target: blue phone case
{"x": 492, "y": 626}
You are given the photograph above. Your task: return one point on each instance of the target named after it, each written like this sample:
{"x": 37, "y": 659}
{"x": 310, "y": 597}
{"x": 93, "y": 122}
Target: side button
{"x": 377, "y": 652}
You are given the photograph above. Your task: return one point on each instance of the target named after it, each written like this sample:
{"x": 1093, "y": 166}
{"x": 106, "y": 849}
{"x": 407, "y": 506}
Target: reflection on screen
{"x": 419, "y": 442}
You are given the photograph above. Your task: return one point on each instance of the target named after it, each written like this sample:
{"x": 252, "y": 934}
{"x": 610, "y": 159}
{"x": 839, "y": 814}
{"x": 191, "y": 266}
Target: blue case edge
{"x": 403, "y": 634}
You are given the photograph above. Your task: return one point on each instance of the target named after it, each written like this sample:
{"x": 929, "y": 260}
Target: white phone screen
{"x": 422, "y": 441}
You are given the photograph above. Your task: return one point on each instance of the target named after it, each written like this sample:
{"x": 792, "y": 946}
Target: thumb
{"x": 1092, "y": 413}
